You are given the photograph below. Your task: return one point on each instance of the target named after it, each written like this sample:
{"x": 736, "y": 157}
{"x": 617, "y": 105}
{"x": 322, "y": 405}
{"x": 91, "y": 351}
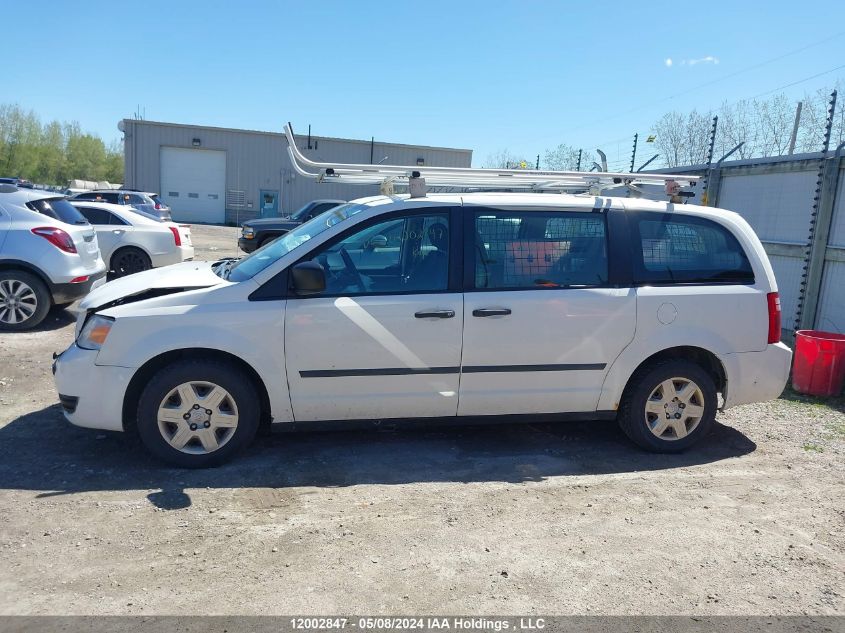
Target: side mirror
{"x": 308, "y": 278}
{"x": 377, "y": 241}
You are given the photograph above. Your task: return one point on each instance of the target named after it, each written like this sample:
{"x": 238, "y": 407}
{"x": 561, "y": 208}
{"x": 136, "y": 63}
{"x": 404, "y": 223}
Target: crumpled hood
{"x": 184, "y": 276}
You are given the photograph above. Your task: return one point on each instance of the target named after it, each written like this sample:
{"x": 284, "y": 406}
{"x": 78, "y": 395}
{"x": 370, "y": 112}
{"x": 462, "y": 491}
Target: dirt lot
{"x": 563, "y": 518}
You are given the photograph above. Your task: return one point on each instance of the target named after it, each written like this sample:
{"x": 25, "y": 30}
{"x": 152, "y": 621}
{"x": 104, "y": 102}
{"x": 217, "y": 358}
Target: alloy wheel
{"x": 18, "y": 301}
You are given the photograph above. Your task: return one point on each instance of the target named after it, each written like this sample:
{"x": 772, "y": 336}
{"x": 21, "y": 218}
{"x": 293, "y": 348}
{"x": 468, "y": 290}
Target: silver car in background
{"x": 49, "y": 256}
{"x": 138, "y": 200}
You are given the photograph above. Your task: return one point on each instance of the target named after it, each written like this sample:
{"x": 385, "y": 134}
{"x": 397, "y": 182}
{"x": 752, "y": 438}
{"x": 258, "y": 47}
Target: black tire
{"x": 27, "y": 308}
{"x": 128, "y": 261}
{"x": 645, "y": 382}
{"x": 241, "y": 390}
{"x": 267, "y": 240}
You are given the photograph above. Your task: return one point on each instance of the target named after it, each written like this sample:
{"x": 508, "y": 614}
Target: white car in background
{"x": 131, "y": 242}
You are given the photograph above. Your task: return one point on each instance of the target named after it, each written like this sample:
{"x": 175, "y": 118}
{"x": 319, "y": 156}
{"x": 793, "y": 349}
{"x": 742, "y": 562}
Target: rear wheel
{"x": 668, "y": 406}
{"x": 198, "y": 413}
{"x": 24, "y": 300}
{"x": 130, "y": 260}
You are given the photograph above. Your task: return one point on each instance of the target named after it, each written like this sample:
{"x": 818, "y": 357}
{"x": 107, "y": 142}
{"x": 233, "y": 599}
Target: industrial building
{"x": 217, "y": 175}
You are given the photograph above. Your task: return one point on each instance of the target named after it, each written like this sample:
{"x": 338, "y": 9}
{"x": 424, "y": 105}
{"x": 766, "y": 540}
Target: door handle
{"x": 488, "y": 312}
{"x": 435, "y": 314}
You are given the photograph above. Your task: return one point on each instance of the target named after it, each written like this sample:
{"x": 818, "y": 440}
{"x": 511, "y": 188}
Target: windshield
{"x": 301, "y": 214}
{"x": 249, "y": 266}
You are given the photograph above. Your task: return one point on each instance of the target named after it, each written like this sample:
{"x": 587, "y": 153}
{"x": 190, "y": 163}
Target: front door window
{"x": 405, "y": 254}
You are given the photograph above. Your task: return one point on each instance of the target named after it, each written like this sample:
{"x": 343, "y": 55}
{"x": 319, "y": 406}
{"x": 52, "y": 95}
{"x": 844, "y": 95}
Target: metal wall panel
{"x": 776, "y": 205}
{"x": 831, "y": 313}
{"x": 259, "y": 160}
{"x": 788, "y": 272}
{"x": 837, "y": 226}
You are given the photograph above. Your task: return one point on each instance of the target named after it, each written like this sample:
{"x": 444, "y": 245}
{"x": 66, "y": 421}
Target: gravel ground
{"x": 537, "y": 518}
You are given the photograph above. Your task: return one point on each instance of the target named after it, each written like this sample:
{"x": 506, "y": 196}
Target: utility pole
{"x": 578, "y": 168}
{"x": 538, "y": 162}
{"x": 794, "y": 136}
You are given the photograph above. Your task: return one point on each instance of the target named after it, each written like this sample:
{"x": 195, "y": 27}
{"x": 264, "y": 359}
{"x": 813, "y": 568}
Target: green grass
{"x": 837, "y": 403}
{"x": 836, "y": 429}
{"x": 816, "y": 407}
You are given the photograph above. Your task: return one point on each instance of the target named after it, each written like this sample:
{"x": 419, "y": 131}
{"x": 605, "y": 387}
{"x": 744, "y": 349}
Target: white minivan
{"x": 480, "y": 306}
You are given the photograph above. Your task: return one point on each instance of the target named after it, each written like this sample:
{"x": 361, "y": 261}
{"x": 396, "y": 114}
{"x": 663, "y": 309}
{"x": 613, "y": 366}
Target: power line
{"x": 795, "y": 83}
{"x": 725, "y": 77}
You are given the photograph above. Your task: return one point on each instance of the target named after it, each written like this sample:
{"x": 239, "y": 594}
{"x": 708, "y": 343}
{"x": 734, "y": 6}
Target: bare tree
{"x": 565, "y": 158}
{"x": 504, "y": 159}
{"x": 774, "y": 123}
{"x": 736, "y": 125}
{"x": 669, "y": 130}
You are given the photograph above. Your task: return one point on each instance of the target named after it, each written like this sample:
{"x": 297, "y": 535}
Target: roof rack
{"x": 467, "y": 177}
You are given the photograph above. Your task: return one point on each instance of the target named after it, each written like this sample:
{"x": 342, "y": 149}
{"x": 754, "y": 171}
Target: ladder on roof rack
{"x": 467, "y": 177}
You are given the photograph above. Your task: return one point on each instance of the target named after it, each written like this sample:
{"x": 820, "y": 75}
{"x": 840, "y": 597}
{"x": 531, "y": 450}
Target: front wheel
{"x": 198, "y": 413}
{"x": 668, "y": 406}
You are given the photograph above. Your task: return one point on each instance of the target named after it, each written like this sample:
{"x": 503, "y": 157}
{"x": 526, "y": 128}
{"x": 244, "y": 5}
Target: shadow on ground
{"x": 56, "y": 319}
{"x": 41, "y": 452}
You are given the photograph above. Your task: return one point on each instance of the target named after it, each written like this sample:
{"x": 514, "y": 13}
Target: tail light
{"x": 158, "y": 206}
{"x": 774, "y": 317}
{"x": 176, "y": 236}
{"x": 56, "y": 237}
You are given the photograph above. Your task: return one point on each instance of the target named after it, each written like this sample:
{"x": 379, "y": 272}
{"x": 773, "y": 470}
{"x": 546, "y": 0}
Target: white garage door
{"x": 193, "y": 183}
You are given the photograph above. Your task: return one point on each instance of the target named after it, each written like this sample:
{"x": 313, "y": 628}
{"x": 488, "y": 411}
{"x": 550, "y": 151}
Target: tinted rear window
{"x": 138, "y": 198}
{"x": 679, "y": 249}
{"x": 58, "y": 209}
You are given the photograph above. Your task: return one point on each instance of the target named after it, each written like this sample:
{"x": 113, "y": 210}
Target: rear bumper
{"x": 91, "y": 395}
{"x": 177, "y": 256}
{"x": 756, "y": 376}
{"x": 68, "y": 293}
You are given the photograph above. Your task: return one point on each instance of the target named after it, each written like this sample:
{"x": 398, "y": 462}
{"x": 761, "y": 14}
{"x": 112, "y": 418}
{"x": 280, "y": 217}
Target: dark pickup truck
{"x": 257, "y": 233}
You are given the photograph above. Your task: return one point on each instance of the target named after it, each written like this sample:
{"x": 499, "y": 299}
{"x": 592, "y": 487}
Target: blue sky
{"x": 482, "y": 75}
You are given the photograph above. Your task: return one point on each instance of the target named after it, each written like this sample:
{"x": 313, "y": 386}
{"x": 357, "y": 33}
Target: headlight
{"x": 94, "y": 332}
{"x": 248, "y": 232}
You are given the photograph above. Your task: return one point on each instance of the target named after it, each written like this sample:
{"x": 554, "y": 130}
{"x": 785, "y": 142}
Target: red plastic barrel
{"x": 819, "y": 366}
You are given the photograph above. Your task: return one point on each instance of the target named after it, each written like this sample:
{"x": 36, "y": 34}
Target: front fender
{"x": 255, "y": 335}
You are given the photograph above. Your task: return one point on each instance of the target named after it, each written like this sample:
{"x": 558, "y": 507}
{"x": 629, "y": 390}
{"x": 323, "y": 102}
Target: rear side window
{"x": 532, "y": 249}
{"x": 94, "y": 215}
{"x": 100, "y": 216}
{"x": 677, "y": 249}
{"x": 58, "y": 209}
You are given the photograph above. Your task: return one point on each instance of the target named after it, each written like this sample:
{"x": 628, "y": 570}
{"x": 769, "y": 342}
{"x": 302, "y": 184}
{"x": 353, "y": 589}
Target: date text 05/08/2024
{"x": 387, "y": 623}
